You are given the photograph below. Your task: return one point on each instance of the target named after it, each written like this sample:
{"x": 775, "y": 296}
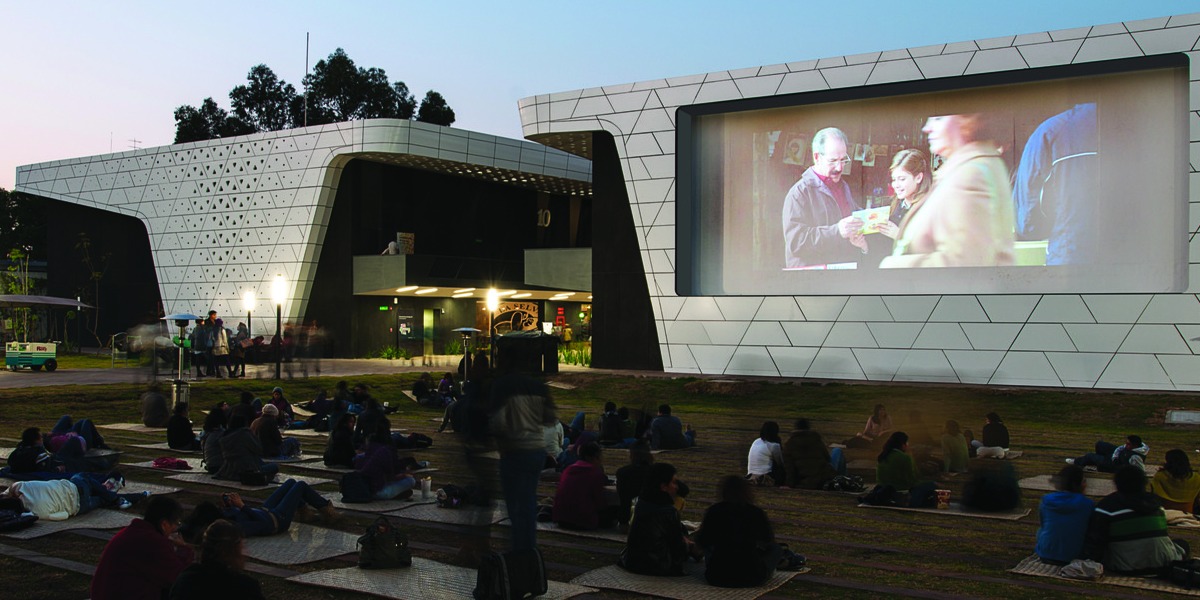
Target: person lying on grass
{"x": 292, "y": 499}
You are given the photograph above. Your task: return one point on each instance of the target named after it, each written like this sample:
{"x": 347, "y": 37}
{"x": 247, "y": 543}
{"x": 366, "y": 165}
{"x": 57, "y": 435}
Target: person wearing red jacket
{"x": 144, "y": 558}
{"x": 582, "y": 502}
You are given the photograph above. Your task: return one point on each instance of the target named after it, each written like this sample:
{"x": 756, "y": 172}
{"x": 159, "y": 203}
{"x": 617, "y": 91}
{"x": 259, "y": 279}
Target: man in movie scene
{"x": 967, "y": 220}
{"x": 818, "y": 225}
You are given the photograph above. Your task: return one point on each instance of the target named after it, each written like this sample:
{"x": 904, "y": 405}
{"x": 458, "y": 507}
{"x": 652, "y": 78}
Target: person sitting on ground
{"x": 764, "y": 463}
{"x": 266, "y": 428}
{"x": 993, "y": 488}
{"x": 368, "y": 421}
{"x": 895, "y": 467}
{"x": 657, "y": 543}
{"x": 31, "y": 455}
{"x": 995, "y": 438}
{"x": 448, "y": 388}
{"x": 289, "y": 500}
{"x": 1064, "y": 515}
{"x": 552, "y": 434}
{"x": 241, "y": 453}
{"x": 65, "y": 430}
{"x": 426, "y": 392}
{"x": 582, "y": 500}
{"x": 180, "y": 435}
{"x": 221, "y": 569}
{"x": 737, "y": 538}
{"x": 155, "y": 410}
{"x": 807, "y": 461}
{"x": 667, "y": 431}
{"x": 879, "y": 424}
{"x": 214, "y": 430}
{"x": 244, "y": 408}
{"x": 339, "y": 452}
{"x": 322, "y": 408}
{"x": 1177, "y": 486}
{"x": 1109, "y": 457}
{"x": 385, "y": 475}
{"x": 144, "y": 558}
{"x": 610, "y": 425}
{"x": 628, "y": 426}
{"x": 954, "y": 449}
{"x": 286, "y": 414}
{"x": 1128, "y": 529}
{"x": 61, "y": 499}
{"x": 631, "y": 478}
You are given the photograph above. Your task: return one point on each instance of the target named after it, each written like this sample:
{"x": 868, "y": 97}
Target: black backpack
{"x": 383, "y": 546}
{"x": 11, "y": 520}
{"x": 355, "y": 488}
{"x": 511, "y": 575}
{"x": 880, "y": 495}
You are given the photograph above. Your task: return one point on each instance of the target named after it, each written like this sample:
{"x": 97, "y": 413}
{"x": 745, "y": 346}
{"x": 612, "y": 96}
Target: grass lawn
{"x": 853, "y": 552}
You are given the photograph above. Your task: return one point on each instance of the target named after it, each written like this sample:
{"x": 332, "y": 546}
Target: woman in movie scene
{"x": 910, "y": 181}
{"x": 967, "y": 220}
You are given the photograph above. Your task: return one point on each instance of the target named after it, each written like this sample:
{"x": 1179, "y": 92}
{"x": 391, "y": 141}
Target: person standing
{"x": 819, "y": 226}
{"x": 520, "y": 409}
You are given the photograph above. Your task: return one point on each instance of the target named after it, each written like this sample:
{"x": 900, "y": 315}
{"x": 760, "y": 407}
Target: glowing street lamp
{"x": 248, "y": 306}
{"x": 278, "y": 294}
{"x": 493, "y": 302}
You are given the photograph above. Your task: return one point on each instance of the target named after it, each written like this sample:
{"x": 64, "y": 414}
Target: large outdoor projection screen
{"x": 1043, "y": 181}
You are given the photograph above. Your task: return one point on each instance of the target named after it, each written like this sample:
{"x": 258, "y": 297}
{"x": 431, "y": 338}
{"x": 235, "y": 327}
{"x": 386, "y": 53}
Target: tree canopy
{"x": 338, "y": 91}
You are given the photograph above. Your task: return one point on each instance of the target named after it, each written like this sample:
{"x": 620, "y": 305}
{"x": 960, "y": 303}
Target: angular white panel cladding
{"x": 804, "y": 81}
{"x": 1117, "y": 308}
{"x": 759, "y": 86}
{"x": 847, "y": 334}
{"x": 1078, "y": 369}
{"x": 793, "y": 362}
{"x": 725, "y": 332}
{"x": 896, "y": 70}
{"x": 752, "y": 360}
{"x": 1053, "y": 53}
{"x": 1154, "y": 339}
{"x": 687, "y": 332}
{"x": 1182, "y": 370}
{"x": 821, "y": 308}
{"x": 700, "y": 308}
{"x": 911, "y": 308}
{"x": 926, "y": 365}
{"x": 1008, "y": 309}
{"x": 738, "y": 309}
{"x": 1000, "y": 59}
{"x": 779, "y": 308}
{"x": 1061, "y": 309}
{"x": 850, "y": 76}
{"x": 948, "y": 336}
{"x": 766, "y": 333}
{"x": 1097, "y": 337}
{"x": 1037, "y": 336}
{"x": 959, "y": 309}
{"x": 974, "y": 367}
{"x": 1167, "y": 40}
{"x": 1025, "y": 368}
{"x": 712, "y": 359}
{"x": 682, "y": 360}
{"x": 895, "y": 335}
{"x": 807, "y": 333}
{"x": 1140, "y": 371}
{"x": 1107, "y": 47}
{"x": 835, "y": 363}
{"x": 879, "y": 365}
{"x": 1180, "y": 308}
{"x": 865, "y": 308}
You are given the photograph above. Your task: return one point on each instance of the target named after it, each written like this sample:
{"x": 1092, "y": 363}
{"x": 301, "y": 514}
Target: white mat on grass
{"x": 957, "y": 510}
{"x": 301, "y": 543}
{"x": 375, "y": 506}
{"x": 424, "y": 579}
{"x": 280, "y": 478}
{"x": 101, "y": 518}
{"x": 138, "y": 427}
{"x": 306, "y": 433}
{"x": 598, "y": 534}
{"x": 1032, "y": 566}
{"x": 687, "y": 587}
{"x": 163, "y": 446}
{"x": 466, "y": 515}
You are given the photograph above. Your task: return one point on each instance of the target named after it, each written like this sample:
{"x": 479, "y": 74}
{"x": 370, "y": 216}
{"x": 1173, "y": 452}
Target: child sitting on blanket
{"x": 1064, "y": 515}
{"x": 292, "y": 499}
{"x": 221, "y": 570}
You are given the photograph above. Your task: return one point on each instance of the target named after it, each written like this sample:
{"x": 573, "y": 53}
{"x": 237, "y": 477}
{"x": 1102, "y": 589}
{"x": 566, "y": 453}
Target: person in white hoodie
{"x": 1109, "y": 457}
{"x": 61, "y": 499}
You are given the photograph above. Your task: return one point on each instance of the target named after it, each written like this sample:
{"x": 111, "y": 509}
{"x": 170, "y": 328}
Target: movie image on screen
{"x": 1062, "y": 180}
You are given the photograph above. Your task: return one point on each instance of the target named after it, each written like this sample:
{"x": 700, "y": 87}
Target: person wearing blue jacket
{"x": 1064, "y": 515}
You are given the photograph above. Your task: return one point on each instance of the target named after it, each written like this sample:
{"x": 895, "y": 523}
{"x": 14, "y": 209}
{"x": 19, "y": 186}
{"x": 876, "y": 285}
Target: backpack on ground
{"x": 1185, "y": 572}
{"x": 845, "y": 483}
{"x": 880, "y": 495}
{"x": 510, "y": 575}
{"x": 383, "y": 546}
{"x": 451, "y": 496}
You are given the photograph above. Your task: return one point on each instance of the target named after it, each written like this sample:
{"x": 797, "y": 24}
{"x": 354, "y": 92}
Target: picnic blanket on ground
{"x": 307, "y": 433}
{"x": 688, "y": 587}
{"x": 280, "y": 478}
{"x": 598, "y": 534}
{"x": 164, "y": 446}
{"x": 1032, "y": 566}
{"x": 375, "y": 506}
{"x": 138, "y": 427}
{"x": 101, "y": 518}
{"x": 301, "y": 543}
{"x": 424, "y": 579}
{"x": 958, "y": 510}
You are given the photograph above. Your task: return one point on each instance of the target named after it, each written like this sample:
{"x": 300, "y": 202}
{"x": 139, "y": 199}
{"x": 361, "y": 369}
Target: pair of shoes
{"x": 124, "y": 504}
{"x": 1070, "y": 461}
{"x": 115, "y": 483}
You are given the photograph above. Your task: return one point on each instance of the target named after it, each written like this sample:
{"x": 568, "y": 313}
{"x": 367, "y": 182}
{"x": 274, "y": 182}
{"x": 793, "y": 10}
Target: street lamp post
{"x": 278, "y": 290}
{"x": 493, "y": 302}
{"x": 248, "y": 306}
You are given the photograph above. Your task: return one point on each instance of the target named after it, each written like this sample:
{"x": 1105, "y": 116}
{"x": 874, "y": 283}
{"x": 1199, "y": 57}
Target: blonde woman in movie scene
{"x": 967, "y": 220}
{"x": 910, "y": 182}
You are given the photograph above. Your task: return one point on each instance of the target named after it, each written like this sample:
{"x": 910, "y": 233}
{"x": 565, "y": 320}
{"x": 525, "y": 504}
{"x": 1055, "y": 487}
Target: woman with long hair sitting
{"x": 221, "y": 570}
{"x": 1177, "y": 485}
{"x": 896, "y": 467}
{"x": 764, "y": 464}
